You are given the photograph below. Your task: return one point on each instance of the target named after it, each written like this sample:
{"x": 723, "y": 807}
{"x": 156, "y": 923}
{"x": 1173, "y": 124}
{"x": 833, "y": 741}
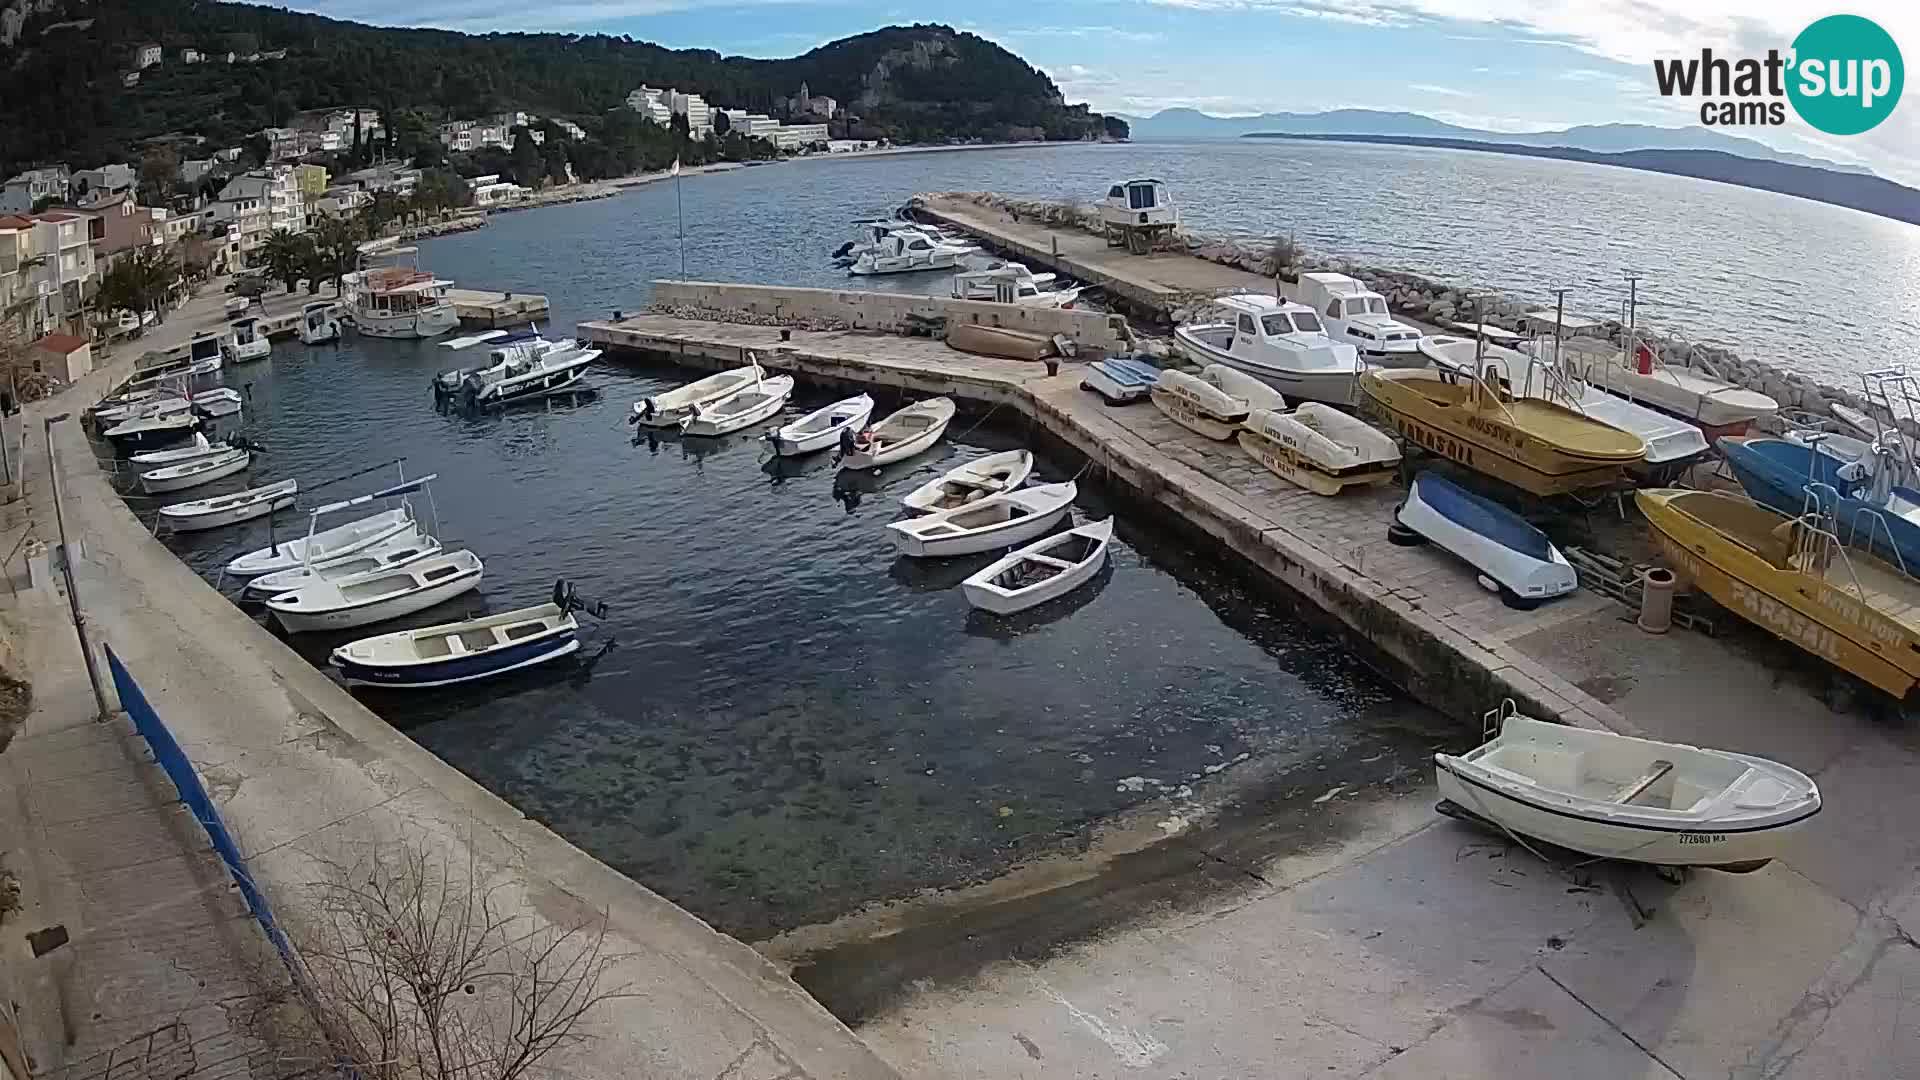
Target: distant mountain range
{"x": 1598, "y": 138}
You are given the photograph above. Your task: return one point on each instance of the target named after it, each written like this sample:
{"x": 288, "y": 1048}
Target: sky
{"x": 1506, "y": 65}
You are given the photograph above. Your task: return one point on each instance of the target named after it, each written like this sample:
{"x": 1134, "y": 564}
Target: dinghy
{"x": 821, "y": 428}
{"x": 223, "y": 510}
{"x": 668, "y": 409}
{"x": 466, "y": 651}
{"x": 995, "y": 522}
{"x": 901, "y": 435}
{"x": 396, "y": 550}
{"x": 1513, "y": 557}
{"x": 744, "y": 409}
{"x": 1120, "y": 380}
{"x": 1618, "y": 797}
{"x": 1278, "y": 342}
{"x": 326, "y": 544}
{"x": 191, "y": 474}
{"x": 372, "y": 598}
{"x": 1199, "y": 405}
{"x": 972, "y": 481}
{"x": 199, "y": 447}
{"x": 1238, "y": 384}
{"x": 1320, "y": 448}
{"x": 1048, "y": 568}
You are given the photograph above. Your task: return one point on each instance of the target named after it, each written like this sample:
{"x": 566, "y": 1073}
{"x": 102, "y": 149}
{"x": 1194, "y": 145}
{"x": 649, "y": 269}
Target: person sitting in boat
{"x": 864, "y": 440}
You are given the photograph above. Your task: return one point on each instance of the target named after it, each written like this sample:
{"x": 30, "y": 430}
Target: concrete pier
{"x": 497, "y": 310}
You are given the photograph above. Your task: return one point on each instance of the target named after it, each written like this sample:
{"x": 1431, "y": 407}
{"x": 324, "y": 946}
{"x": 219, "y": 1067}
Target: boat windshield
{"x": 1304, "y": 321}
{"x": 1376, "y": 305}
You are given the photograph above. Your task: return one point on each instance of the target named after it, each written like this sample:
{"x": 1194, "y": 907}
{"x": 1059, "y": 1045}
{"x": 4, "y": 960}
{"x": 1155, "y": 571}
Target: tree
{"x": 285, "y": 255}
{"x": 159, "y": 168}
{"x": 526, "y": 168}
{"x": 335, "y": 249}
{"x": 257, "y": 148}
{"x": 138, "y": 281}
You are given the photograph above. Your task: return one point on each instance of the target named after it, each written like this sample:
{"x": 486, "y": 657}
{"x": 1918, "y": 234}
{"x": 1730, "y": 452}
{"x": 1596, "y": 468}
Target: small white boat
{"x": 460, "y": 652}
{"x": 192, "y": 474}
{"x": 905, "y": 251}
{"x": 396, "y": 550}
{"x": 1120, "y": 380}
{"x": 1199, "y": 405}
{"x": 1238, "y": 384}
{"x": 1048, "y": 568}
{"x": 1618, "y": 797}
{"x": 372, "y": 598}
{"x": 222, "y": 510}
{"x": 668, "y": 409}
{"x": 1688, "y": 393}
{"x": 995, "y": 522}
{"x": 325, "y": 545}
{"x": 1011, "y": 283}
{"x": 245, "y": 342}
{"x": 318, "y": 325}
{"x": 237, "y": 306}
{"x": 1278, "y": 342}
{"x": 198, "y": 447}
{"x": 901, "y": 435}
{"x": 148, "y": 403}
{"x": 219, "y": 401}
{"x": 821, "y": 428}
{"x": 1320, "y": 448}
{"x": 162, "y": 430}
{"x": 972, "y": 481}
{"x": 1514, "y": 558}
{"x": 759, "y": 402}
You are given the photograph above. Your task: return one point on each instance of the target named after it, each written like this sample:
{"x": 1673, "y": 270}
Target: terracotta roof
{"x": 61, "y": 343}
{"x": 15, "y": 221}
{"x": 60, "y": 215}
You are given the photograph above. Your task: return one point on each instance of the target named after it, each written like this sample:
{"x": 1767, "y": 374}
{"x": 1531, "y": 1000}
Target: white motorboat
{"x": 244, "y": 341}
{"x": 192, "y": 474}
{"x": 1011, "y": 283}
{"x": 1357, "y": 315}
{"x": 1238, "y": 384}
{"x": 1046, "y": 569}
{"x": 325, "y": 545}
{"x": 522, "y": 365}
{"x": 460, "y": 652}
{"x": 1688, "y": 393}
{"x": 396, "y": 550}
{"x": 668, "y": 409}
{"x": 1618, "y": 797}
{"x": 1120, "y": 380}
{"x": 758, "y": 402}
{"x": 203, "y": 357}
{"x": 995, "y": 522}
{"x": 1320, "y": 448}
{"x": 372, "y": 598}
{"x": 821, "y": 428}
{"x": 157, "y": 404}
{"x": 1138, "y": 213}
{"x": 198, "y": 447}
{"x": 906, "y": 251}
{"x": 1513, "y": 558}
{"x": 222, "y": 510}
{"x": 1278, "y": 342}
{"x": 164, "y": 429}
{"x": 869, "y": 232}
{"x": 217, "y": 402}
{"x": 390, "y": 296}
{"x": 1199, "y": 405}
{"x": 901, "y": 435}
{"x": 318, "y": 324}
{"x": 972, "y": 481}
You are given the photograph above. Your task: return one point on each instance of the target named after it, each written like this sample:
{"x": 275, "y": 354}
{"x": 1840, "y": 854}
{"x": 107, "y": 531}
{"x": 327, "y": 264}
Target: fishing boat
{"x": 1011, "y": 283}
{"x": 1198, "y": 405}
{"x": 1872, "y": 507}
{"x": 821, "y": 428}
{"x": 668, "y": 409}
{"x": 1635, "y": 371}
{"x": 328, "y": 544}
{"x": 1790, "y": 575}
{"x": 901, "y": 435}
{"x": 1535, "y": 445}
{"x": 1357, "y": 315}
{"x": 1513, "y": 558}
{"x": 1619, "y": 797}
{"x": 391, "y": 297}
{"x": 318, "y": 324}
{"x": 192, "y": 474}
{"x": 758, "y": 402}
{"x": 972, "y": 481}
{"x": 223, "y": 510}
{"x": 906, "y": 251}
{"x": 460, "y": 652}
{"x": 197, "y": 447}
{"x": 397, "y": 550}
{"x": 1319, "y": 448}
{"x": 1044, "y": 570}
{"x": 995, "y": 522}
{"x": 1278, "y": 342}
{"x": 163, "y": 429}
{"x": 244, "y": 342}
{"x": 1120, "y": 380}
{"x": 372, "y": 598}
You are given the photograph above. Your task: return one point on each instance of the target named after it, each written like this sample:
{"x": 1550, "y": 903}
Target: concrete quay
{"x": 1397, "y": 944}
{"x": 303, "y": 772}
{"x": 496, "y": 310}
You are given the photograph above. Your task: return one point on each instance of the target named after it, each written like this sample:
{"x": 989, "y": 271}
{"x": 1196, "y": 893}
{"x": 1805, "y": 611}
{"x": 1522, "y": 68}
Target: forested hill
{"x": 62, "y": 96}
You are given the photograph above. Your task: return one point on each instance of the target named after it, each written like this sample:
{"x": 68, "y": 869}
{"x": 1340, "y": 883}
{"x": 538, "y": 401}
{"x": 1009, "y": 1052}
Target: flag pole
{"x": 680, "y": 208}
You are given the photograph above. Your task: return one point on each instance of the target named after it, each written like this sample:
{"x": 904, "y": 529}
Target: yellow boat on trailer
{"x": 1534, "y": 445}
{"x": 1792, "y": 577}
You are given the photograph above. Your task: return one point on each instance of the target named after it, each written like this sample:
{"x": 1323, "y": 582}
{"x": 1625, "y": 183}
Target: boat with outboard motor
{"x": 195, "y": 472}
{"x": 1006, "y": 282}
{"x": 1278, "y": 342}
{"x": 377, "y": 597}
{"x": 1512, "y": 557}
{"x": 668, "y": 409}
{"x": 399, "y": 549}
{"x": 821, "y": 428}
{"x": 467, "y": 651}
{"x": 904, "y": 433}
{"x": 318, "y": 323}
{"x": 761, "y": 401}
{"x": 519, "y": 365}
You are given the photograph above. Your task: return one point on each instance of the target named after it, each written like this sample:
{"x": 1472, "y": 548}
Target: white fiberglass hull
{"x": 669, "y": 408}
{"x": 976, "y": 479}
{"x": 221, "y": 511}
{"x": 401, "y": 549}
{"x": 325, "y": 545}
{"x": 986, "y": 590}
{"x": 743, "y": 410}
{"x": 192, "y": 474}
{"x": 393, "y": 606}
{"x": 1687, "y": 394}
{"x": 429, "y": 322}
{"x": 1331, "y": 387}
{"x": 820, "y": 430}
{"x": 1472, "y": 530}
{"x": 951, "y": 532}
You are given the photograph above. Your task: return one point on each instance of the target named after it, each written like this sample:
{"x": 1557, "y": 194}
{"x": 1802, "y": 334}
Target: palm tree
{"x": 286, "y": 256}
{"x": 335, "y": 246}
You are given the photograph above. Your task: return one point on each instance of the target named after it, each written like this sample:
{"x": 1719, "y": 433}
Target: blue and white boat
{"x": 1512, "y": 556}
{"x": 1120, "y": 380}
{"x": 1871, "y": 509}
{"x": 467, "y": 651}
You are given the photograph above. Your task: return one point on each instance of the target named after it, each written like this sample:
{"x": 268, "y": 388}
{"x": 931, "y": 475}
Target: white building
{"x": 261, "y": 203}
{"x": 797, "y": 136}
{"x": 21, "y": 192}
{"x": 64, "y": 266}
{"x": 490, "y": 190}
{"x": 107, "y": 179}
{"x": 145, "y": 56}
{"x": 574, "y": 131}
{"x": 191, "y": 56}
{"x": 652, "y": 104}
{"x": 695, "y": 108}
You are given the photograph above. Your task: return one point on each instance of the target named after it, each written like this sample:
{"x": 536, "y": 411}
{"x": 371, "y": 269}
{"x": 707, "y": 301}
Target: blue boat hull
{"x": 1777, "y": 473}
{"x": 460, "y": 669}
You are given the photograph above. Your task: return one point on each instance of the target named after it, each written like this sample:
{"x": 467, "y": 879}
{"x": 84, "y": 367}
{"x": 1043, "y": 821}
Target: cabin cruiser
{"x": 1278, "y": 342}
{"x": 869, "y": 232}
{"x": 1358, "y": 316}
{"x": 245, "y": 342}
{"x": 518, "y": 366}
{"x": 1137, "y": 214}
{"x": 318, "y": 324}
{"x": 1011, "y": 283}
{"x": 905, "y": 251}
{"x": 390, "y": 296}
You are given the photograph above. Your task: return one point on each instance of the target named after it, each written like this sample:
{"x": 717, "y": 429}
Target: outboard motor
{"x": 846, "y": 441}
{"x": 841, "y": 251}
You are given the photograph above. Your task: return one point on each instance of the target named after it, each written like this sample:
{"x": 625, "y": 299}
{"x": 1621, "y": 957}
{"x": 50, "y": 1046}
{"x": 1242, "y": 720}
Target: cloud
{"x": 1443, "y": 91}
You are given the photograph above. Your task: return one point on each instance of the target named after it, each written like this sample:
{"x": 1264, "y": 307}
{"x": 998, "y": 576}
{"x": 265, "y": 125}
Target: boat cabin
{"x": 203, "y": 347}
{"x": 316, "y": 315}
{"x": 1139, "y": 202}
{"x": 394, "y": 291}
{"x": 1265, "y": 332}
{"x": 245, "y": 332}
{"x": 1357, "y": 315}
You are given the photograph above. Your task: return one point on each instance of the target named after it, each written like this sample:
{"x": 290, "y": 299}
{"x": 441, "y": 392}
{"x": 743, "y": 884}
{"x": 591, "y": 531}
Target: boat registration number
{"x": 1703, "y": 838}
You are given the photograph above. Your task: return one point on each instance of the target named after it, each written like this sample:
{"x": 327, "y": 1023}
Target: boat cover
{"x": 1481, "y": 515}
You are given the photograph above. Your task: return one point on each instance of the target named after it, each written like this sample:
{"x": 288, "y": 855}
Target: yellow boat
{"x": 1534, "y": 445}
{"x": 1792, "y": 577}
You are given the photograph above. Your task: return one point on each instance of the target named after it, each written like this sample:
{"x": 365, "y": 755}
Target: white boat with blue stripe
{"x": 467, "y": 651}
{"x": 1514, "y": 558}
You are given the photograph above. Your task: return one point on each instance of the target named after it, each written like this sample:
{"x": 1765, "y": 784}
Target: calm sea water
{"x": 1819, "y": 289}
